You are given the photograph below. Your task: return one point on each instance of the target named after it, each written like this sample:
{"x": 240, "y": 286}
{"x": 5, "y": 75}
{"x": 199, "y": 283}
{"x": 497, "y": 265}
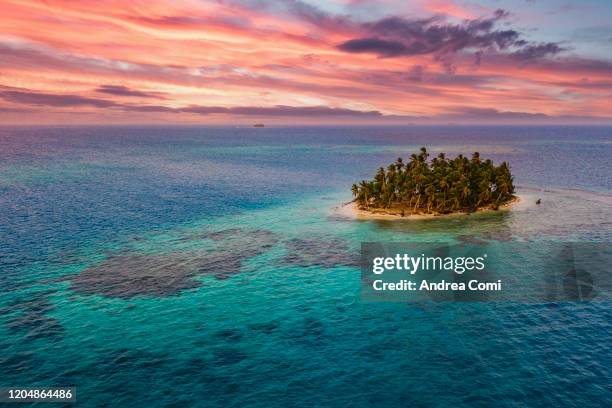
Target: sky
{"x": 239, "y": 62}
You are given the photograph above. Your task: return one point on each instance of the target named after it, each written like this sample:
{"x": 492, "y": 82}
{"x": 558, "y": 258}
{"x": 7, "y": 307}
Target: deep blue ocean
{"x": 199, "y": 266}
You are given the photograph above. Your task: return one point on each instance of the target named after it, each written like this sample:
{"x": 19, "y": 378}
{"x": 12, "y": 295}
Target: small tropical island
{"x": 440, "y": 186}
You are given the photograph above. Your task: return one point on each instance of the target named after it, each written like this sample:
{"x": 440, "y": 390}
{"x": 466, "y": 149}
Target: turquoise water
{"x": 212, "y": 267}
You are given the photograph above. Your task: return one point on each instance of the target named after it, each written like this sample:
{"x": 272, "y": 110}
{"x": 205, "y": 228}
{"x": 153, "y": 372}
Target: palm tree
{"x": 441, "y": 184}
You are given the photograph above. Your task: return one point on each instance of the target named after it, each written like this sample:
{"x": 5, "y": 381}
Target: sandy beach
{"x": 350, "y": 210}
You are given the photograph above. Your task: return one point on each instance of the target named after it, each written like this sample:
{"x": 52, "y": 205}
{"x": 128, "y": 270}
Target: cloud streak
{"x": 460, "y": 114}
{"x": 56, "y": 100}
{"x": 33, "y": 98}
{"x": 119, "y": 90}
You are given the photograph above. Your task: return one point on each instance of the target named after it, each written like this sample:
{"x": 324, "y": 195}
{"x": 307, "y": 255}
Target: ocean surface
{"x": 190, "y": 266}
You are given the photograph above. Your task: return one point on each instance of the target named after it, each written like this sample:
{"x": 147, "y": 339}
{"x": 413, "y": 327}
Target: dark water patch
{"x": 31, "y": 318}
{"x": 38, "y": 304}
{"x": 249, "y": 240}
{"x": 18, "y": 362}
{"x": 230, "y": 335}
{"x": 233, "y": 234}
{"x": 327, "y": 253}
{"x": 310, "y": 332}
{"x": 125, "y": 360}
{"x": 216, "y": 381}
{"x": 190, "y": 367}
{"x": 313, "y": 327}
{"x": 228, "y": 356}
{"x": 126, "y": 276}
{"x": 36, "y": 326}
{"x": 303, "y": 308}
{"x": 266, "y": 328}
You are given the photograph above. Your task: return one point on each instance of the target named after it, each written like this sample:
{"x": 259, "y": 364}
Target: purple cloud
{"x": 119, "y": 90}
{"x": 58, "y": 100}
{"x": 383, "y": 48}
{"x": 538, "y": 51}
{"x": 280, "y": 110}
{"x": 491, "y": 113}
{"x": 27, "y": 97}
{"x": 395, "y": 37}
{"x": 455, "y": 113}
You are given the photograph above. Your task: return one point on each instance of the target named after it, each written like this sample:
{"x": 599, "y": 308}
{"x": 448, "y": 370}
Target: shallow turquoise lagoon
{"x": 212, "y": 267}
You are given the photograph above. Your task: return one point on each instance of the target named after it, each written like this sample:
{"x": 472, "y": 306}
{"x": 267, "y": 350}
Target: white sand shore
{"x": 350, "y": 210}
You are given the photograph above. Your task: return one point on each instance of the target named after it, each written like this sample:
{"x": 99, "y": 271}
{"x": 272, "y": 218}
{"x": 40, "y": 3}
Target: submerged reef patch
{"x": 164, "y": 274}
{"x": 126, "y": 276}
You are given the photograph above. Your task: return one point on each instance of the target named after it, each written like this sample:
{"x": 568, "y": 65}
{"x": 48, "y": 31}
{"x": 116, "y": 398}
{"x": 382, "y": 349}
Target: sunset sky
{"x": 305, "y": 61}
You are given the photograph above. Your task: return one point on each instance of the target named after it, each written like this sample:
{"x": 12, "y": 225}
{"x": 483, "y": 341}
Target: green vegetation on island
{"x": 439, "y": 186}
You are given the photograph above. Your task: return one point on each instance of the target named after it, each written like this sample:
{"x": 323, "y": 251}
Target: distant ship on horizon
{"x": 259, "y": 125}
